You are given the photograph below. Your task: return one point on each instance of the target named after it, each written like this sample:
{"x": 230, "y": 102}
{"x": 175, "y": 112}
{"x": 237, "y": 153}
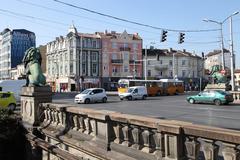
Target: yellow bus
{"x": 154, "y": 87}
{"x": 172, "y": 86}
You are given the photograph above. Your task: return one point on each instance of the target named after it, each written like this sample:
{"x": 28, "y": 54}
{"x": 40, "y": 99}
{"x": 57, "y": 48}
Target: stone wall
{"x": 101, "y": 134}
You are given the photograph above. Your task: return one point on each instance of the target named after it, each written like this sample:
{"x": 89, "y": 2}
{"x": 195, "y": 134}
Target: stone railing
{"x": 101, "y": 134}
{"x": 236, "y": 95}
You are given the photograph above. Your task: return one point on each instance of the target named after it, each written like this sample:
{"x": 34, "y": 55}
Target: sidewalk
{"x": 112, "y": 93}
{"x": 236, "y": 102}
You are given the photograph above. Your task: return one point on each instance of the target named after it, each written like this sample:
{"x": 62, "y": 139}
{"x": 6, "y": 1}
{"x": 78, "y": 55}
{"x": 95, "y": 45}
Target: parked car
{"x": 91, "y": 95}
{"x": 136, "y": 92}
{"x": 7, "y": 100}
{"x": 216, "y": 97}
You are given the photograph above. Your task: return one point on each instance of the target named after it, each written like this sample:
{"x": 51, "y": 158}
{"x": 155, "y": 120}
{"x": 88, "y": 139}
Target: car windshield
{"x": 130, "y": 90}
{"x": 86, "y": 91}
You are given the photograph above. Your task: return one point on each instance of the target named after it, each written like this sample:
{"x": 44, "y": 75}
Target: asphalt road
{"x": 168, "y": 107}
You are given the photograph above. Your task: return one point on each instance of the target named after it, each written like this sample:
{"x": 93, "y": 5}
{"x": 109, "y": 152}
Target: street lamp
{"x": 232, "y": 53}
{"x": 221, "y": 33}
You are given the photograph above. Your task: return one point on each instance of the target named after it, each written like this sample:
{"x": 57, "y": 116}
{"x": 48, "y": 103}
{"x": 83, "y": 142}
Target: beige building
{"x": 215, "y": 58}
{"x": 174, "y": 64}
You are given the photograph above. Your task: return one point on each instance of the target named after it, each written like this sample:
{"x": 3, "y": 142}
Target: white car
{"x": 91, "y": 95}
{"x": 136, "y": 92}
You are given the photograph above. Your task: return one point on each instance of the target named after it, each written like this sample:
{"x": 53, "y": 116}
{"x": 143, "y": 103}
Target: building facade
{"x": 215, "y": 58}
{"x": 237, "y": 79}
{"x": 13, "y": 45}
{"x": 74, "y": 62}
{"x": 182, "y": 65}
{"x": 121, "y": 57}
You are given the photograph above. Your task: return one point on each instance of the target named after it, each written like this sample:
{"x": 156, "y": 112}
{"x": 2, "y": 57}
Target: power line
{"x": 129, "y": 21}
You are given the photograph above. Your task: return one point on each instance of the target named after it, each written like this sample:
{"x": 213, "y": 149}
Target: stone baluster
{"x": 210, "y": 149}
{"x": 93, "y": 124}
{"x": 64, "y": 117}
{"x": 49, "y": 115}
{"x": 56, "y": 117}
{"x": 53, "y": 117}
{"x": 117, "y": 130}
{"x": 147, "y": 136}
{"x": 171, "y": 144}
{"x": 87, "y": 126}
{"x": 75, "y": 123}
{"x": 230, "y": 152}
{"x": 125, "y": 131}
{"x": 192, "y": 148}
{"x": 46, "y": 117}
{"x": 136, "y": 137}
{"x": 81, "y": 124}
{"x": 60, "y": 117}
{"x": 158, "y": 140}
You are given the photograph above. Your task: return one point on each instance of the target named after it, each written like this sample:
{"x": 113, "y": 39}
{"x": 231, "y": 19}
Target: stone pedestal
{"x": 219, "y": 86}
{"x": 30, "y": 99}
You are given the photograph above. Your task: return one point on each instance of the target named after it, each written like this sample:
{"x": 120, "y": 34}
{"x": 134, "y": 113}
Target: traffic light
{"x": 181, "y": 38}
{"x": 164, "y": 36}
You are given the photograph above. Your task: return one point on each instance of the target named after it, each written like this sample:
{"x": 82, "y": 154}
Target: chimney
{"x": 170, "y": 49}
{"x": 184, "y": 50}
{"x": 106, "y": 31}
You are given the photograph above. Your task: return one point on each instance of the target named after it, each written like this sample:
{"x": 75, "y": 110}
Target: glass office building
{"x": 13, "y": 44}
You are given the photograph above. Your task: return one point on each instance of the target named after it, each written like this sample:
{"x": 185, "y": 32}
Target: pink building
{"x": 121, "y": 57}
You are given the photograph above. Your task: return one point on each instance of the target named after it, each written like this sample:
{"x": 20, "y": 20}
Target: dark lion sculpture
{"x": 32, "y": 63}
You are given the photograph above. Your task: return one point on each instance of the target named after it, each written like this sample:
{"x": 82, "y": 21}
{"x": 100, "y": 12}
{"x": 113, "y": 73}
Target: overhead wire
{"x": 129, "y": 21}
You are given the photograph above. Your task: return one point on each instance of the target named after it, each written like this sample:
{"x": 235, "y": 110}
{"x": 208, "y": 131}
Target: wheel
{"x": 87, "y": 101}
{"x": 217, "y": 102}
{"x": 11, "y": 107}
{"x": 144, "y": 97}
{"x": 158, "y": 93}
{"x": 129, "y": 98}
{"x": 121, "y": 99}
{"x": 191, "y": 100}
{"x": 104, "y": 100}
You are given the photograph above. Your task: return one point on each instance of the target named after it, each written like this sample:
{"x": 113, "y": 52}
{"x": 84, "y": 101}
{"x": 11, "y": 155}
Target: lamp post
{"x": 232, "y": 53}
{"x": 221, "y": 34}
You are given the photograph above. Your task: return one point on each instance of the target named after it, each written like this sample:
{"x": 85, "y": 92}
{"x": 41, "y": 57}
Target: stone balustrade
{"x": 101, "y": 134}
{"x": 236, "y": 95}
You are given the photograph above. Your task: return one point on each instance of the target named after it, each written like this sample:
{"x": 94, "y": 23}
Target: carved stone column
{"x": 230, "y": 152}
{"x": 210, "y": 149}
{"x": 31, "y": 97}
{"x": 192, "y": 148}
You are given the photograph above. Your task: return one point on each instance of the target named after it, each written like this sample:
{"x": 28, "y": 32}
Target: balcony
{"x": 136, "y": 62}
{"x": 125, "y": 49}
{"x": 118, "y": 61}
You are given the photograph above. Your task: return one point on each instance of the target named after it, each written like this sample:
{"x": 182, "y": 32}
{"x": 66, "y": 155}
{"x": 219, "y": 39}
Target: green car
{"x": 216, "y": 97}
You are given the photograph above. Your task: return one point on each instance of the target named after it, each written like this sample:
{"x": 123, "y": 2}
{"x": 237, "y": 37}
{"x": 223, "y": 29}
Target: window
{"x": 126, "y": 56}
{"x": 114, "y": 45}
{"x": 135, "y": 46}
{"x": 161, "y": 62}
{"x": 94, "y": 68}
{"x": 170, "y": 62}
{"x": 114, "y": 56}
{"x": 183, "y": 62}
{"x": 71, "y": 68}
{"x": 94, "y": 44}
{"x": 94, "y": 56}
{"x": 125, "y": 68}
{"x": 149, "y": 73}
{"x": 170, "y": 73}
{"x": 183, "y": 73}
{"x": 125, "y": 45}
{"x": 84, "y": 68}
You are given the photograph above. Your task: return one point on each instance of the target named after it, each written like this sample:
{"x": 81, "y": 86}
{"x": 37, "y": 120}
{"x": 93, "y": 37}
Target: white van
{"x": 14, "y": 86}
{"x": 136, "y": 92}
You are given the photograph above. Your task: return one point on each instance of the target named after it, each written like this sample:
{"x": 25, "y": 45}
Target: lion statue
{"x": 32, "y": 63}
{"x": 217, "y": 76}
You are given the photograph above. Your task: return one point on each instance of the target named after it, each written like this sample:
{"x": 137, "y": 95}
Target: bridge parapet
{"x": 236, "y": 95}
{"x": 101, "y": 134}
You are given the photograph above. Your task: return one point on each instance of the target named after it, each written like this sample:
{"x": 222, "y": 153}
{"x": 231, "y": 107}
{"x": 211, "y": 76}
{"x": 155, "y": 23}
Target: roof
{"x": 23, "y": 31}
{"x": 216, "y": 52}
{"x": 237, "y": 71}
{"x": 115, "y": 35}
{"x": 170, "y": 52}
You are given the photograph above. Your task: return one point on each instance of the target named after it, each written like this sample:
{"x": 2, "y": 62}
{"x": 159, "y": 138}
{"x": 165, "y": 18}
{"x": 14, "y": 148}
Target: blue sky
{"x": 49, "y": 19}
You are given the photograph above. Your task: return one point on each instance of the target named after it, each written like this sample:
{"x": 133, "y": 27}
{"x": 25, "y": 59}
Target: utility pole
{"x": 232, "y": 56}
{"x": 145, "y": 70}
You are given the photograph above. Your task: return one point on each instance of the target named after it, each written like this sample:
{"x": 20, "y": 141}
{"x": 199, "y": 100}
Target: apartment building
{"x": 121, "y": 57}
{"x": 164, "y": 63}
{"x": 74, "y": 61}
